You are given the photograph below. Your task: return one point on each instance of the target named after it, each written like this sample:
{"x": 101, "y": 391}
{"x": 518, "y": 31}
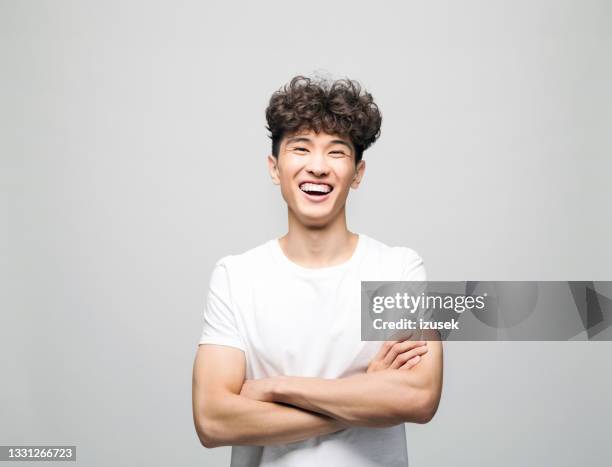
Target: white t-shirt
{"x": 297, "y": 321}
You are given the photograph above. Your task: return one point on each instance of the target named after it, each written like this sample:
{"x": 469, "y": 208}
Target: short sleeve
{"x": 220, "y": 325}
{"x": 414, "y": 271}
{"x": 414, "y": 268}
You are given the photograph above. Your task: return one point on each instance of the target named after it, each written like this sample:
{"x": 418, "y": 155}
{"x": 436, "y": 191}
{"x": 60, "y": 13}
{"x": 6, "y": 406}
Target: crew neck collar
{"x": 280, "y": 255}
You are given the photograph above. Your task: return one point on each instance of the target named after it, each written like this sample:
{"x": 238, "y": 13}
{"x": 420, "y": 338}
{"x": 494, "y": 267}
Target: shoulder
{"x": 404, "y": 261}
{"x": 245, "y": 262}
{"x": 401, "y": 253}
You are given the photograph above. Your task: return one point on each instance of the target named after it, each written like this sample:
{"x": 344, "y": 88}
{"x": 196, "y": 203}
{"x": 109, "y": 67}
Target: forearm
{"x": 379, "y": 399}
{"x": 233, "y": 419}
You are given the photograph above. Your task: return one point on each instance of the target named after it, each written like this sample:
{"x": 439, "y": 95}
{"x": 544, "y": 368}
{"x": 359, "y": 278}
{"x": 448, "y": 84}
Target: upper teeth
{"x": 315, "y": 187}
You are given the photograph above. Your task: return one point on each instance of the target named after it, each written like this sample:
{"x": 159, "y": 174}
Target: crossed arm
{"x": 402, "y": 384}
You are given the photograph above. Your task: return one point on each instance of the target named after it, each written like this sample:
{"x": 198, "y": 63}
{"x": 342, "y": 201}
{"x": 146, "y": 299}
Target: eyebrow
{"x": 339, "y": 141}
{"x": 298, "y": 139}
{"x": 303, "y": 139}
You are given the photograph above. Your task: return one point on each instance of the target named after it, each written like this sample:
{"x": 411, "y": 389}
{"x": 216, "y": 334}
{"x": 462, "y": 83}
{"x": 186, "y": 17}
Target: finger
{"x": 410, "y": 363}
{"x": 400, "y": 348}
{"x": 384, "y": 348}
{"x": 401, "y": 359}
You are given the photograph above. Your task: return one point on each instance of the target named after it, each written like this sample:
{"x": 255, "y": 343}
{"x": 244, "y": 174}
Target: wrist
{"x": 278, "y": 388}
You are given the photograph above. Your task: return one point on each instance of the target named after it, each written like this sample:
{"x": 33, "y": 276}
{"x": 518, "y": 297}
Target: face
{"x": 315, "y": 173}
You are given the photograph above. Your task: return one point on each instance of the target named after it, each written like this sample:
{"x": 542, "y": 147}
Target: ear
{"x": 359, "y": 171}
{"x": 273, "y": 169}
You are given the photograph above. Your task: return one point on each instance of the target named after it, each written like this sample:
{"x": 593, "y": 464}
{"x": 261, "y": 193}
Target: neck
{"x": 317, "y": 247}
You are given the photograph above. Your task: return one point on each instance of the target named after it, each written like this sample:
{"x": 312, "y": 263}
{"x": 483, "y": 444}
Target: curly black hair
{"x": 339, "y": 108}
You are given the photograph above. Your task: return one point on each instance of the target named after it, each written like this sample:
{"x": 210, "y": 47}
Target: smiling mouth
{"x": 316, "y": 189}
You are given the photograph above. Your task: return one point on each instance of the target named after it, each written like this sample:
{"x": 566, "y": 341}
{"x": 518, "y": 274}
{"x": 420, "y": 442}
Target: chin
{"x": 318, "y": 218}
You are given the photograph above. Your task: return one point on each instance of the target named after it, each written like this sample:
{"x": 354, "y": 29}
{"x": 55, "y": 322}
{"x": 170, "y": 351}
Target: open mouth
{"x": 316, "y": 189}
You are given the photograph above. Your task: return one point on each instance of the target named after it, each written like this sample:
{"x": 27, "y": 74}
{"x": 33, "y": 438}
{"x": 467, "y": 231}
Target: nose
{"x": 317, "y": 164}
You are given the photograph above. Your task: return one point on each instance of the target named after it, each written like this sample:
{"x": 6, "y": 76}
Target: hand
{"x": 398, "y": 355}
{"x": 259, "y": 389}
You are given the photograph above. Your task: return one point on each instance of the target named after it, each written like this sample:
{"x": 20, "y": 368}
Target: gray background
{"x": 133, "y": 156}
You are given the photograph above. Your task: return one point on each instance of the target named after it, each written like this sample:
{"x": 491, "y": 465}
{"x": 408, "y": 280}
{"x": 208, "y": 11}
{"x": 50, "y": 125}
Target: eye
{"x": 337, "y": 153}
{"x": 300, "y": 149}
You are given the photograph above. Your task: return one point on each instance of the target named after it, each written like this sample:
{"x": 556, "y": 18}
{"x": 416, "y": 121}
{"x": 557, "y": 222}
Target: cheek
{"x": 290, "y": 167}
{"x": 346, "y": 177}
{"x": 286, "y": 184}
{"x": 288, "y": 173}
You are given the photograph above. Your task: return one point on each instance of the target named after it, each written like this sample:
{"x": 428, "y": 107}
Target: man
{"x": 281, "y": 373}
